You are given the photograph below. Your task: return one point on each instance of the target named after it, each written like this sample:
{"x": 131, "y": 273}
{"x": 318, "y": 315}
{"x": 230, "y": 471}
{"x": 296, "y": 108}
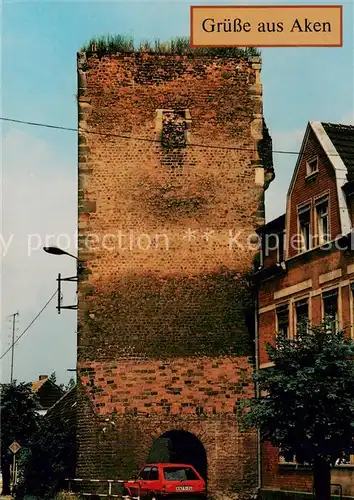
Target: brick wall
{"x": 284, "y": 477}
{"x": 301, "y": 269}
{"x": 165, "y": 332}
{"x": 306, "y": 189}
{"x": 307, "y": 276}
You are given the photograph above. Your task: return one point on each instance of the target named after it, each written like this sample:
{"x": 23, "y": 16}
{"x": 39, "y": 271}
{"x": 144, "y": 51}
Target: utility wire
{"x": 110, "y": 134}
{"x": 34, "y": 319}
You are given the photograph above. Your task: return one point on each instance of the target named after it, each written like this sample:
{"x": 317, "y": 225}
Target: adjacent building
{"x": 307, "y": 269}
{"x": 174, "y": 158}
{"x": 47, "y": 392}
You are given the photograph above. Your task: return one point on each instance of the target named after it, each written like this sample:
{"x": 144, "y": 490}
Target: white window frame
{"x": 301, "y": 210}
{"x": 309, "y": 169}
{"x": 322, "y": 238}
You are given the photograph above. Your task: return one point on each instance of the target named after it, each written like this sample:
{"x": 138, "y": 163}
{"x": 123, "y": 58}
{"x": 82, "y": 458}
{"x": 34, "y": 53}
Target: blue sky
{"x": 39, "y": 45}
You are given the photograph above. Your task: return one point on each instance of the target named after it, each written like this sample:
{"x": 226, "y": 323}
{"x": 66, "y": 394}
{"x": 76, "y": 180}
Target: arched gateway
{"x": 182, "y": 447}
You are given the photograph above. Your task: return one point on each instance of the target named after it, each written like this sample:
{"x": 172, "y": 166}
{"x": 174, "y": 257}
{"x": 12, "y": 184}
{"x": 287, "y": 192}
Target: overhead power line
{"x": 30, "y": 324}
{"x": 132, "y": 138}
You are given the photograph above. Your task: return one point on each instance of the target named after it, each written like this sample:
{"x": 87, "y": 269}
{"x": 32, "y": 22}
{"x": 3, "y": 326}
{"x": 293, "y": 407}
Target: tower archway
{"x": 178, "y": 446}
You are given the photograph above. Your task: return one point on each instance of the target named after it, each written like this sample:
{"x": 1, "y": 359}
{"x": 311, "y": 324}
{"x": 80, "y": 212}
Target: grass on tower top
{"x": 112, "y": 44}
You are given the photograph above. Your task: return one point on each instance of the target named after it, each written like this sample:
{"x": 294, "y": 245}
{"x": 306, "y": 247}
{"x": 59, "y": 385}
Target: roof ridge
{"x": 338, "y": 125}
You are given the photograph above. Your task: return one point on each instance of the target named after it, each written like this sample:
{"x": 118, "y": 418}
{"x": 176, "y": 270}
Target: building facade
{"x": 307, "y": 270}
{"x": 174, "y": 158}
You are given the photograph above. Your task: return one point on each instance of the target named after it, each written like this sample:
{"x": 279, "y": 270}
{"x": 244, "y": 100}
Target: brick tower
{"x": 167, "y": 219}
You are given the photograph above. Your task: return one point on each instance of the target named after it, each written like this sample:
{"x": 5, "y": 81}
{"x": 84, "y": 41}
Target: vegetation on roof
{"x": 177, "y": 46}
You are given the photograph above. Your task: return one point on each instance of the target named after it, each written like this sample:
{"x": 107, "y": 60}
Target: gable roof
{"x": 47, "y": 392}
{"x": 342, "y": 137}
{"x": 37, "y": 384}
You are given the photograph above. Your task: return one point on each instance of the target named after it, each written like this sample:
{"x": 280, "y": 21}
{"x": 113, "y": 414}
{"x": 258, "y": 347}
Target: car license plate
{"x": 184, "y": 488}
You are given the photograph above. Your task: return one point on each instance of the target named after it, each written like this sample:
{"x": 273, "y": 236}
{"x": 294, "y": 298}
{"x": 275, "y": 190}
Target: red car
{"x": 166, "y": 481}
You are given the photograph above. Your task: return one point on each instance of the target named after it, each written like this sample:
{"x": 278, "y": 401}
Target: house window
{"x": 304, "y": 214}
{"x": 330, "y": 309}
{"x": 346, "y": 459}
{"x": 282, "y": 313}
{"x": 290, "y": 458}
{"x": 322, "y": 221}
{"x": 312, "y": 166}
{"x": 301, "y": 315}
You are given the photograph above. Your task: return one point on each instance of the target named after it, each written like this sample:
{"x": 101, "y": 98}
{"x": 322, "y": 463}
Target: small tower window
{"x": 173, "y": 127}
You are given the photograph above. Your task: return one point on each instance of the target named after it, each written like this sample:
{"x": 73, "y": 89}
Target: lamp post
{"x": 59, "y": 251}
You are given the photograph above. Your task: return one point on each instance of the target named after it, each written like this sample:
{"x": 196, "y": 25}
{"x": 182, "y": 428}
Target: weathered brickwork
{"x": 169, "y": 387}
{"x": 167, "y": 232}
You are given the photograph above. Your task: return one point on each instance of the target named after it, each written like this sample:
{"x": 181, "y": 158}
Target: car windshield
{"x": 179, "y": 474}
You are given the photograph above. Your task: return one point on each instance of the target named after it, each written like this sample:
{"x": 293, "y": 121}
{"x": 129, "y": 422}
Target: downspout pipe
{"x": 256, "y": 326}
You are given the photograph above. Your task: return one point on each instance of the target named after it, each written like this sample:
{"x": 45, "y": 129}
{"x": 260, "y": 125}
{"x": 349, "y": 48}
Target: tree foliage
{"x": 306, "y": 407}
{"x": 19, "y": 421}
{"x": 51, "y": 458}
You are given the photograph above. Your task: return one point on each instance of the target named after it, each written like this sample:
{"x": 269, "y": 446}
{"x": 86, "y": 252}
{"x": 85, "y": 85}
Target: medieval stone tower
{"x": 174, "y": 157}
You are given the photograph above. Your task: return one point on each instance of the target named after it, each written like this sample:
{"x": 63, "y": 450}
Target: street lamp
{"x": 59, "y": 251}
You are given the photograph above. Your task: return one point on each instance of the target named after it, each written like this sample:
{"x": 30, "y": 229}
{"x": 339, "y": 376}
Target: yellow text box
{"x": 267, "y": 26}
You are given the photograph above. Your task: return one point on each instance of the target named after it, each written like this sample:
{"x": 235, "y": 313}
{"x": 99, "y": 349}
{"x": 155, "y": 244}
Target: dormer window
{"x": 312, "y": 166}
